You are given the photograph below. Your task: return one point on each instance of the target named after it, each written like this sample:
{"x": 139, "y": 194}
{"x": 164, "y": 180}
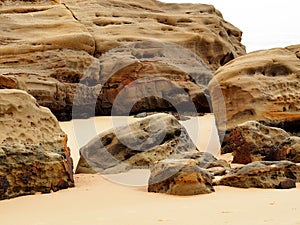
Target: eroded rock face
{"x": 136, "y": 145}
{"x": 46, "y": 52}
{"x": 205, "y": 160}
{"x": 34, "y": 156}
{"x": 34, "y": 28}
{"x": 253, "y": 141}
{"x": 262, "y": 86}
{"x": 282, "y": 174}
{"x": 47, "y": 48}
{"x": 292, "y": 146}
{"x": 200, "y": 28}
{"x": 26, "y": 2}
{"x": 179, "y": 177}
{"x": 52, "y": 78}
{"x": 149, "y": 76}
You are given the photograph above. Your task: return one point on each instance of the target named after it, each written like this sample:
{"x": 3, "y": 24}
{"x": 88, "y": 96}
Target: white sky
{"x": 265, "y": 23}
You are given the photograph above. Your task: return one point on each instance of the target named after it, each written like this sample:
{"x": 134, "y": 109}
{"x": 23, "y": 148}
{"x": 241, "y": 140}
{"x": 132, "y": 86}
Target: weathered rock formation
{"x": 205, "y": 160}
{"x": 253, "y": 141}
{"x": 179, "y": 177}
{"x": 200, "y": 28}
{"x": 34, "y": 156}
{"x": 282, "y": 175}
{"x": 136, "y": 145}
{"x": 47, "y": 48}
{"x": 149, "y": 76}
{"x": 292, "y": 146}
{"x": 45, "y": 52}
{"x": 262, "y": 86}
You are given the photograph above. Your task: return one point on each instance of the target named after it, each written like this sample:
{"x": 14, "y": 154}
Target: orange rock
{"x": 6, "y": 82}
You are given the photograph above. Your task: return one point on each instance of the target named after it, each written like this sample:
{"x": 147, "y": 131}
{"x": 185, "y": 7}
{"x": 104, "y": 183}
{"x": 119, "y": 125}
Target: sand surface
{"x": 98, "y": 200}
{"x": 95, "y": 200}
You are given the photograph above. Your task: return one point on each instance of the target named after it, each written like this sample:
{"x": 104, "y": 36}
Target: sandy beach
{"x": 95, "y": 200}
{"x": 78, "y": 58}
{"x": 123, "y": 199}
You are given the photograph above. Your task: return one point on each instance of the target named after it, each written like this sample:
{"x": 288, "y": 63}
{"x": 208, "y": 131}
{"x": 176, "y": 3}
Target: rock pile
{"x": 261, "y": 92}
{"x": 83, "y": 58}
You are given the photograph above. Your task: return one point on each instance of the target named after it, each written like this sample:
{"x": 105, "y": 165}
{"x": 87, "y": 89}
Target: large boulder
{"x": 282, "y": 174}
{"x": 179, "y": 177}
{"x": 51, "y": 50}
{"x": 253, "y": 141}
{"x": 262, "y": 86}
{"x": 34, "y": 156}
{"x": 136, "y": 145}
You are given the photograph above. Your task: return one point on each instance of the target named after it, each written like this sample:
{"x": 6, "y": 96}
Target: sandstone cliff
{"x": 47, "y": 48}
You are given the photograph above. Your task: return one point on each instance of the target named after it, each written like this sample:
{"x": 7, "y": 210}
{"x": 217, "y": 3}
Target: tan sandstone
{"x": 47, "y": 47}
{"x": 34, "y": 156}
{"x": 263, "y": 86}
